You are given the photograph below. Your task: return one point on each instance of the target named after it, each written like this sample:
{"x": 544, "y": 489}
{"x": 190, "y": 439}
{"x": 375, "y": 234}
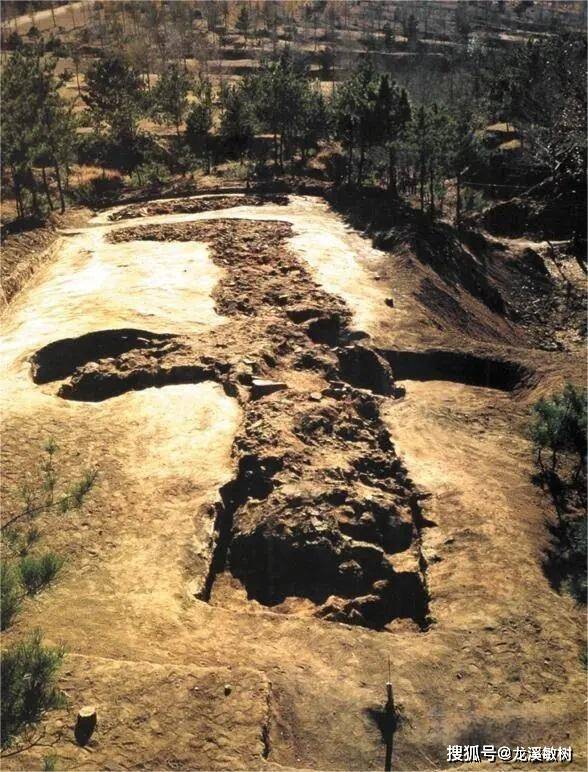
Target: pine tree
{"x": 357, "y": 118}
{"x": 242, "y": 23}
{"x": 277, "y": 92}
{"x": 199, "y": 122}
{"x": 38, "y": 125}
{"x": 464, "y": 150}
{"x": 388, "y": 36}
{"x": 169, "y": 98}
{"x": 394, "y": 115}
{"x": 421, "y": 140}
{"x": 237, "y": 125}
{"x": 114, "y": 95}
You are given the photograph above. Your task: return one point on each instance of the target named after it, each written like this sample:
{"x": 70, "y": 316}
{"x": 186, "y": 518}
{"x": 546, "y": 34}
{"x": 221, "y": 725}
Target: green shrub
{"x": 10, "y": 594}
{"x": 23, "y": 573}
{"x": 37, "y": 572}
{"x": 27, "y": 681}
{"x": 151, "y": 173}
{"x": 559, "y": 426}
{"x": 98, "y": 190}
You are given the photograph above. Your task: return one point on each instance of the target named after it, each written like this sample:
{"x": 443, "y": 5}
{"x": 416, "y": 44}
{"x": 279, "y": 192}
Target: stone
{"x": 367, "y": 520}
{"x": 261, "y": 388}
{"x": 302, "y": 313}
{"x": 381, "y": 586}
{"x": 389, "y": 302}
{"x": 355, "y": 617}
{"x": 350, "y": 567}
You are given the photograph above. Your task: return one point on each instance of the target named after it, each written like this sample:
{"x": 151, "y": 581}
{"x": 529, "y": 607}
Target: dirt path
{"x": 64, "y": 16}
{"x": 299, "y": 514}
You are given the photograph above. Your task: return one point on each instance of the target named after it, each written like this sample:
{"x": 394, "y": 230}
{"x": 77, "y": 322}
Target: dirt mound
{"x": 304, "y": 526}
{"x": 193, "y": 205}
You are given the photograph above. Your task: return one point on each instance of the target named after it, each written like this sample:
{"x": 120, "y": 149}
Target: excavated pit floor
{"x": 188, "y": 470}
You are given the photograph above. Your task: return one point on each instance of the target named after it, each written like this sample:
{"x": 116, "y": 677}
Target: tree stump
{"x": 85, "y": 724}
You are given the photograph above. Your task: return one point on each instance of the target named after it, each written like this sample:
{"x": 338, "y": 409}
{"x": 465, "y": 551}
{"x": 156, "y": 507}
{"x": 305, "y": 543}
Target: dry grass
{"x": 81, "y": 175}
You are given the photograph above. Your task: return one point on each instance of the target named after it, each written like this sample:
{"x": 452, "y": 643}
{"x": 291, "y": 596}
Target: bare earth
{"x": 236, "y": 583}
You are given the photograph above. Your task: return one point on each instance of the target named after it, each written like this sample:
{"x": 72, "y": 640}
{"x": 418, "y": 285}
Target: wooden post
{"x": 390, "y": 720}
{"x": 390, "y": 698}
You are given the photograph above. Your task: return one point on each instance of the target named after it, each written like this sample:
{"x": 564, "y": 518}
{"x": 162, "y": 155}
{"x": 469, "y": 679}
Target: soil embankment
{"x": 26, "y": 249}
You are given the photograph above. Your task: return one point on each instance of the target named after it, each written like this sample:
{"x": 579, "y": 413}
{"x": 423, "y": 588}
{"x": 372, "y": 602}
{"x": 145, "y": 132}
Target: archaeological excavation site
{"x": 293, "y": 385}
{"x": 299, "y": 486}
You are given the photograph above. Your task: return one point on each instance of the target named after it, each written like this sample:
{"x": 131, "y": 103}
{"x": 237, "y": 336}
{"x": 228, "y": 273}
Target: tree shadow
{"x": 565, "y": 559}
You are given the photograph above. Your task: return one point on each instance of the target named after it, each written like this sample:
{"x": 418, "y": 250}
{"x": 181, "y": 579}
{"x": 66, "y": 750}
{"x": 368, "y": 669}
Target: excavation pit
{"x": 457, "y": 367}
{"x": 60, "y": 359}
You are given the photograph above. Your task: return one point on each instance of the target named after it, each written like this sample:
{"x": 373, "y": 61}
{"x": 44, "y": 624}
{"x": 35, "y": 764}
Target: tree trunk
{"x": 432, "y": 192}
{"x": 553, "y": 460}
{"x": 360, "y": 165}
{"x": 392, "y": 183}
{"x": 350, "y": 164}
{"x": 458, "y": 200}
{"x": 59, "y": 188}
{"x": 77, "y": 66}
{"x": 33, "y": 188}
{"x": 46, "y": 188}
{"x": 85, "y": 724}
{"x": 17, "y": 193}
{"x": 422, "y": 183}
{"x": 275, "y": 150}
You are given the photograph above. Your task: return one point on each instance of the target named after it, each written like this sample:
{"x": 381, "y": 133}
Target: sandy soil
{"x": 181, "y": 683}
